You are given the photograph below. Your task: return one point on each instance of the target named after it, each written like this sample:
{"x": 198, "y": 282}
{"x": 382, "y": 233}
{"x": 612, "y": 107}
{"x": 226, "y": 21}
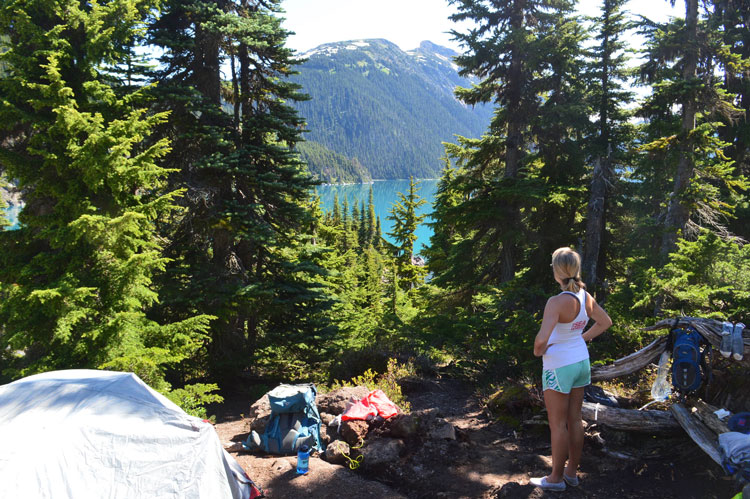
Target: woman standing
{"x": 566, "y": 369}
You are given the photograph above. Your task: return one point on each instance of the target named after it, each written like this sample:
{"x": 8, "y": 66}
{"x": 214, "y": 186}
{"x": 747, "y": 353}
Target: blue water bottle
{"x": 303, "y": 460}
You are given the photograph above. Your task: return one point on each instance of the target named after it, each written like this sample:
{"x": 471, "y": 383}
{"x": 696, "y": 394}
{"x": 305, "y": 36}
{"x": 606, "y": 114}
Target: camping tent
{"x": 86, "y": 433}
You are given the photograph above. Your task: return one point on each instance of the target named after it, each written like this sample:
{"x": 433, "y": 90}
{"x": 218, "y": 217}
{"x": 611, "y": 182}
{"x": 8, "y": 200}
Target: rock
{"x": 324, "y": 437}
{"x": 282, "y": 465}
{"x": 354, "y": 431}
{"x": 335, "y": 452}
{"x": 382, "y": 451}
{"x": 403, "y": 426}
{"x": 443, "y": 430}
{"x": 326, "y": 418}
{"x": 511, "y": 403}
{"x": 258, "y": 414}
{"x": 335, "y": 402}
{"x": 233, "y": 446}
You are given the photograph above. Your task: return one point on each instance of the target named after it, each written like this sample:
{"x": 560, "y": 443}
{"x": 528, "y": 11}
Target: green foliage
{"x": 193, "y": 398}
{"x": 243, "y": 249}
{"x": 388, "y": 382}
{"x": 405, "y": 220}
{"x": 707, "y": 277}
{"x": 78, "y": 276}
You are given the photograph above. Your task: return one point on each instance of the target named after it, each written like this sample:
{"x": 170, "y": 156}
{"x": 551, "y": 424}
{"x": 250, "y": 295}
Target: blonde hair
{"x": 566, "y": 264}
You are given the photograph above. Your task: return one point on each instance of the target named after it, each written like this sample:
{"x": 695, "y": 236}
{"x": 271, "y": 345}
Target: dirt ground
{"x": 487, "y": 460}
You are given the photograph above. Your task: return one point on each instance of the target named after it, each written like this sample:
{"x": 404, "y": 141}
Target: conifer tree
{"x": 336, "y": 210}
{"x": 362, "y": 233}
{"x": 443, "y": 233}
{"x": 610, "y": 140}
{"x": 371, "y": 228}
{"x": 511, "y": 49}
{"x": 79, "y": 141}
{"x": 236, "y": 251}
{"x": 682, "y": 58}
{"x": 403, "y": 214}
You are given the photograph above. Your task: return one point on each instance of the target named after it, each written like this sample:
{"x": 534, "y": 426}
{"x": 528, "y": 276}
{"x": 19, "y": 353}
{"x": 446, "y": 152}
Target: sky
{"x": 406, "y": 22}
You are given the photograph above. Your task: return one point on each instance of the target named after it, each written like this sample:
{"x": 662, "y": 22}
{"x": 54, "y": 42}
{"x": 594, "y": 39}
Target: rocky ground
{"x": 451, "y": 447}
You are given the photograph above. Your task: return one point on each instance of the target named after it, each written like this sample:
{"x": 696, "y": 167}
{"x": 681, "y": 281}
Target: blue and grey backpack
{"x": 294, "y": 421}
{"x": 689, "y": 351}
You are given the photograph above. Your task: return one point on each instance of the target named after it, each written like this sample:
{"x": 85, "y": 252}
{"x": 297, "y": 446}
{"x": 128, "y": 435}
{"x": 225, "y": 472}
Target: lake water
{"x": 12, "y": 215}
{"x": 384, "y": 195}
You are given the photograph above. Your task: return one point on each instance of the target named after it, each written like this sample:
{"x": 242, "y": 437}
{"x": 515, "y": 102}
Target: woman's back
{"x": 565, "y": 344}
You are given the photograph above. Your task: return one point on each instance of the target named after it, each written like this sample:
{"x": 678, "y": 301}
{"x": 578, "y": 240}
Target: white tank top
{"x": 566, "y": 345}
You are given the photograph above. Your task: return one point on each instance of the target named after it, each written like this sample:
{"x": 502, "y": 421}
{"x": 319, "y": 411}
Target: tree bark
{"x": 514, "y": 142}
{"x": 701, "y": 435}
{"x": 630, "y": 419}
{"x": 597, "y": 207}
{"x": 677, "y": 212}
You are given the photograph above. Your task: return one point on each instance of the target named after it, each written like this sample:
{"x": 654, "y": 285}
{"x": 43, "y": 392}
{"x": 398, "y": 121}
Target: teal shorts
{"x": 565, "y": 378}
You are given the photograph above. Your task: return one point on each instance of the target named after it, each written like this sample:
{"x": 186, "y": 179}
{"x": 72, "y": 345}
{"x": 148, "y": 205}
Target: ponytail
{"x": 574, "y": 284}
{"x": 566, "y": 265}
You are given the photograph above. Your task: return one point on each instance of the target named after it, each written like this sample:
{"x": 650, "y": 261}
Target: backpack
{"x": 294, "y": 420}
{"x": 689, "y": 351}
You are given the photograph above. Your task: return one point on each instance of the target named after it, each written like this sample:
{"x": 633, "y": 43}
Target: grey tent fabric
{"x": 87, "y": 433}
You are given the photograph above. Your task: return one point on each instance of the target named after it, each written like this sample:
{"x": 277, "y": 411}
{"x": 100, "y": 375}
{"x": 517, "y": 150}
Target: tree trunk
{"x": 514, "y": 142}
{"x": 677, "y": 212}
{"x": 600, "y": 179}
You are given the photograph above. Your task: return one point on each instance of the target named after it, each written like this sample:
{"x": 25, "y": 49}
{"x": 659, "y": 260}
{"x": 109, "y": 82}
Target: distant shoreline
{"x": 374, "y": 180}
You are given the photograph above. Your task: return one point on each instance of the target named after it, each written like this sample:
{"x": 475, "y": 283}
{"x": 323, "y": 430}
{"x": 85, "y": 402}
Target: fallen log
{"x": 696, "y": 430}
{"x": 705, "y": 412}
{"x": 631, "y": 363}
{"x": 630, "y": 419}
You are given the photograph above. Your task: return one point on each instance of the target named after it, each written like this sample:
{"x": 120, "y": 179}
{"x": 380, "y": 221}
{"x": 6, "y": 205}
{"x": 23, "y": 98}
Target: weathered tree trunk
{"x": 631, "y": 363}
{"x": 595, "y": 224}
{"x": 701, "y": 435}
{"x": 630, "y": 419}
{"x": 597, "y": 207}
{"x": 677, "y": 212}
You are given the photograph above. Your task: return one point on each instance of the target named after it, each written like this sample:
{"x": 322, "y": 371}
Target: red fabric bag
{"x": 375, "y": 403}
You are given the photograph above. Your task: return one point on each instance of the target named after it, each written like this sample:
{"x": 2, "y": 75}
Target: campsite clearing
{"x": 487, "y": 459}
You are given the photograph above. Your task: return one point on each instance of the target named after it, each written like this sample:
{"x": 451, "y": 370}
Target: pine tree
{"x": 730, "y": 21}
{"x": 682, "y": 58}
{"x": 443, "y": 233}
{"x": 610, "y": 141}
{"x": 371, "y": 222}
{"x": 78, "y": 139}
{"x": 403, "y": 214}
{"x": 512, "y": 45}
{"x": 336, "y": 210}
{"x": 362, "y": 232}
{"x": 237, "y": 250}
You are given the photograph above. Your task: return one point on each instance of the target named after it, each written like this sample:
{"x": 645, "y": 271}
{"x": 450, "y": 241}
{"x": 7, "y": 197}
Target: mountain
{"x": 332, "y": 167}
{"x": 387, "y": 109}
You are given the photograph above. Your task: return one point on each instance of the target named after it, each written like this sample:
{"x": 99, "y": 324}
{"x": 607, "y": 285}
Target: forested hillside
{"x": 388, "y": 109}
{"x": 170, "y": 226}
{"x": 331, "y": 167}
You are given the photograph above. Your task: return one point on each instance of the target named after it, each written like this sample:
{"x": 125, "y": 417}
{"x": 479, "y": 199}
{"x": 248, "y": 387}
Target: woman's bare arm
{"x": 551, "y": 316}
{"x": 601, "y": 318}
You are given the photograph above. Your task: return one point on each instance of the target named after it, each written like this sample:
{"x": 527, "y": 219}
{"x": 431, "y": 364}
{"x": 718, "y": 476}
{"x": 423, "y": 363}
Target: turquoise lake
{"x": 384, "y": 194}
{"x": 12, "y": 214}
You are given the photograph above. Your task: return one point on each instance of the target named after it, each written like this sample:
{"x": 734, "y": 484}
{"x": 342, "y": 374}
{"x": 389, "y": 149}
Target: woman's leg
{"x": 575, "y": 431}
{"x": 557, "y": 414}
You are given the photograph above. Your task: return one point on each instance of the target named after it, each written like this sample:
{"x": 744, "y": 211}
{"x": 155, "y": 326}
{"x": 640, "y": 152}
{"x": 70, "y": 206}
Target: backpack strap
{"x": 707, "y": 352}
{"x": 670, "y": 337}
